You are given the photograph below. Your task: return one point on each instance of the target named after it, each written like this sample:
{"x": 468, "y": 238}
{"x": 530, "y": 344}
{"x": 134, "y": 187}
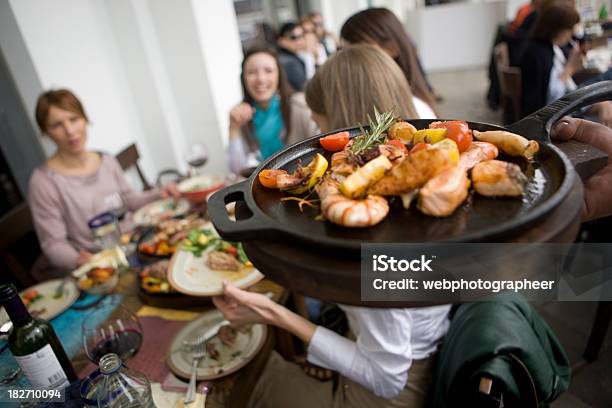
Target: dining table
{"x": 232, "y": 390}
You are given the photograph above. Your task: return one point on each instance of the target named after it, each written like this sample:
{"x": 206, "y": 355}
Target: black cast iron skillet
{"x": 479, "y": 219}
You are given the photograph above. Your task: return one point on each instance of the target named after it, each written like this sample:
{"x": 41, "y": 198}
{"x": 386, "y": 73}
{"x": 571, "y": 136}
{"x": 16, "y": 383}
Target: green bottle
{"x": 35, "y": 346}
{"x": 603, "y": 12}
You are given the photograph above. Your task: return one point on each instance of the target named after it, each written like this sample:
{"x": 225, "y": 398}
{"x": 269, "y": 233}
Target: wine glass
{"x": 196, "y": 156}
{"x": 121, "y": 333}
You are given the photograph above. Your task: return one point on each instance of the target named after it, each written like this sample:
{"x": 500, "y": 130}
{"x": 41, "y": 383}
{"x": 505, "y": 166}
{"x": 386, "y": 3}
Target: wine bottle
{"x": 35, "y": 346}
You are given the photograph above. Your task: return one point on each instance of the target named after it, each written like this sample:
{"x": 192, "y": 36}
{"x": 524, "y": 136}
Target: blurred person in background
{"x": 291, "y": 43}
{"x": 325, "y": 38}
{"x": 387, "y": 359}
{"x": 314, "y": 54}
{"x": 75, "y": 184}
{"x": 546, "y": 71}
{"x": 270, "y": 116}
{"x": 380, "y": 27}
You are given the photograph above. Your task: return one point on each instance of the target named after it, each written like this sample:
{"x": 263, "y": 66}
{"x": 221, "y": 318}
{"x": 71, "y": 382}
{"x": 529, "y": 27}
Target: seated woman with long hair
{"x": 380, "y": 27}
{"x": 270, "y": 115}
{"x": 387, "y": 358}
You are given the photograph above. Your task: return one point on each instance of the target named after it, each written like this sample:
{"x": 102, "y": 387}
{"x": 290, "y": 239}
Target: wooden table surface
{"x": 233, "y": 390}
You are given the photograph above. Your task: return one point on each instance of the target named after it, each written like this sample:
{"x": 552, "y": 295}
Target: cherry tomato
{"x": 460, "y": 134}
{"x": 440, "y": 125}
{"x": 231, "y": 250}
{"x": 456, "y": 130}
{"x": 418, "y": 147}
{"x": 398, "y": 143}
{"x": 268, "y": 177}
{"x": 335, "y": 142}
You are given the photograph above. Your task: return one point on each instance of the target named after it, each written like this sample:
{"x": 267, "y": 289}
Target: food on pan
{"x": 154, "y": 278}
{"x": 509, "y": 143}
{"x": 168, "y": 235}
{"x": 495, "y": 178}
{"x": 434, "y": 167}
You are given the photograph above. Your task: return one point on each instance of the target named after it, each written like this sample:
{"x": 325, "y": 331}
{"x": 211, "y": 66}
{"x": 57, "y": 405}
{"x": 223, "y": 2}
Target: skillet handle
{"x": 586, "y": 159}
{"x": 250, "y": 228}
{"x": 537, "y": 125}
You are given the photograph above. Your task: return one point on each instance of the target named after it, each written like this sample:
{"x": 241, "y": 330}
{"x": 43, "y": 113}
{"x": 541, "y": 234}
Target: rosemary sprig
{"x": 375, "y": 135}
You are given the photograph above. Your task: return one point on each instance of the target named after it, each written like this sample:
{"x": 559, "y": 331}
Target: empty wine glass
{"x": 196, "y": 156}
{"x": 121, "y": 333}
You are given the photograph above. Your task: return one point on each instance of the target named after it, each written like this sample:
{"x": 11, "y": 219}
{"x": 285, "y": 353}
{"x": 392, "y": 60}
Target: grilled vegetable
{"x": 495, "y": 178}
{"x": 402, "y": 131}
{"x": 510, "y": 143}
{"x": 429, "y": 136}
{"x": 335, "y": 142}
{"x": 356, "y": 184}
{"x": 449, "y": 146}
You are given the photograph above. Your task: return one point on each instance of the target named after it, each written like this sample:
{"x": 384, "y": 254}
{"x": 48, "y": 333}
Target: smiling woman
{"x": 270, "y": 115}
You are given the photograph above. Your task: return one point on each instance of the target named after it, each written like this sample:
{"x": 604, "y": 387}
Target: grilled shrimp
{"x": 495, "y": 178}
{"x": 344, "y": 162}
{"x": 476, "y": 153}
{"x": 349, "y": 212}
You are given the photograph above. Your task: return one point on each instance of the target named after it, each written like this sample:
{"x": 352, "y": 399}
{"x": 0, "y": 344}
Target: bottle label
{"x": 43, "y": 369}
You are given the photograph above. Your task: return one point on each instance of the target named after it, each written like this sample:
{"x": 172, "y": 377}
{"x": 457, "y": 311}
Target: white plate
{"x": 190, "y": 275}
{"x": 108, "y": 258}
{"x": 231, "y": 359}
{"x": 52, "y": 307}
{"x": 201, "y": 183}
{"x": 160, "y": 210}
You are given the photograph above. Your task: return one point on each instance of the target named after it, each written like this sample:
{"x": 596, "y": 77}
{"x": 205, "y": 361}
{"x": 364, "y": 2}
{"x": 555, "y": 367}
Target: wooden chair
{"x": 15, "y": 226}
{"x": 510, "y": 83}
{"x": 128, "y": 158}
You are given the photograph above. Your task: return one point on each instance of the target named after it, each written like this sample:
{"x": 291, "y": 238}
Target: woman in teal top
{"x": 270, "y": 116}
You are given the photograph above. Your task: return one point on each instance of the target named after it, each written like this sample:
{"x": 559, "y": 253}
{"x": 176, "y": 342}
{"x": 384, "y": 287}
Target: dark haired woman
{"x": 75, "y": 184}
{"x": 270, "y": 115}
{"x": 379, "y": 26}
{"x": 546, "y": 72}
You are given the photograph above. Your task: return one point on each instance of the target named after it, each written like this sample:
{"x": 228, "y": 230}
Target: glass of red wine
{"x": 196, "y": 156}
{"x": 121, "y": 333}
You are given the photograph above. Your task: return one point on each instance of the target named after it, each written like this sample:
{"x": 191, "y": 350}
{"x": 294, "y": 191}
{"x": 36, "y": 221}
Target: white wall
{"x": 159, "y": 73}
{"x": 455, "y": 36}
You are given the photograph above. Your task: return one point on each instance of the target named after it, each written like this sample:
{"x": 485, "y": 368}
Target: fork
{"x": 198, "y": 352}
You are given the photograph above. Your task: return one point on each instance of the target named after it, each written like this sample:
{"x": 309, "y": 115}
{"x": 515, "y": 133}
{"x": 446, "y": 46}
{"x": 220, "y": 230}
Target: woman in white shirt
{"x": 388, "y": 359}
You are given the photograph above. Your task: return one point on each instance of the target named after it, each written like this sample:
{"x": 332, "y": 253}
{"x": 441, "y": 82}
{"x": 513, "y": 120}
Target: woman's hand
{"x": 170, "y": 190}
{"x": 242, "y": 308}
{"x": 83, "y": 257}
{"x": 574, "y": 63}
{"x": 240, "y": 115}
{"x": 598, "y": 188}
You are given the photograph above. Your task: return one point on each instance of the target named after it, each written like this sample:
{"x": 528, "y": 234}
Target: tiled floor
{"x": 464, "y": 98}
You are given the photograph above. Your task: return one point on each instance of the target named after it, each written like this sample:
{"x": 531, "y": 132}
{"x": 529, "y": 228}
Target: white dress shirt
{"x": 387, "y": 342}
{"x": 556, "y": 87}
{"x": 423, "y": 110}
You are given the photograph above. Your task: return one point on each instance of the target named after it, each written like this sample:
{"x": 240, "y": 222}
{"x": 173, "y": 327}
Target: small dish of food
{"x": 203, "y": 261}
{"x": 161, "y": 241}
{"x": 99, "y": 280}
{"x": 196, "y": 189}
{"x": 44, "y": 301}
{"x": 160, "y": 210}
{"x": 226, "y": 352}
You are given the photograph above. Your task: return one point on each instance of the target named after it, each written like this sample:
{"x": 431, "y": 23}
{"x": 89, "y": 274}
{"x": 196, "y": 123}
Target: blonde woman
{"x": 387, "y": 360}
